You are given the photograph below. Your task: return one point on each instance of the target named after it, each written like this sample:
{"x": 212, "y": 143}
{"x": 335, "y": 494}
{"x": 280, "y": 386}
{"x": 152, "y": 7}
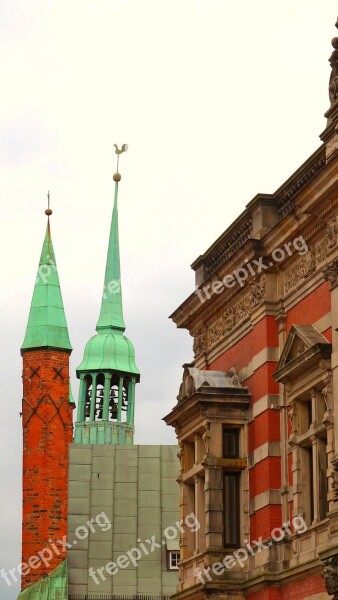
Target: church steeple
{"x": 111, "y": 314}
{"x": 47, "y": 325}
{"x": 108, "y": 372}
{"x": 47, "y": 418}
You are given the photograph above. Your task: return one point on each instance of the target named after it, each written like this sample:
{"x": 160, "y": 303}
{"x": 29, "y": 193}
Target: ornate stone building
{"x": 256, "y": 417}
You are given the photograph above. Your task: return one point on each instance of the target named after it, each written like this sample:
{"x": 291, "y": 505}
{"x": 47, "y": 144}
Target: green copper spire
{"x": 108, "y": 372}
{"x": 47, "y": 326}
{"x": 111, "y": 315}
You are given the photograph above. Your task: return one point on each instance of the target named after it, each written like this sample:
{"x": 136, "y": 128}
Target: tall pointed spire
{"x": 108, "y": 372}
{"x": 47, "y": 325}
{"x": 111, "y": 314}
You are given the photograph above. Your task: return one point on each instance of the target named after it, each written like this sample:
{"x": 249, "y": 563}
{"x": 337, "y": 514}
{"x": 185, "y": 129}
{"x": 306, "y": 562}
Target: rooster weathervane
{"x": 119, "y": 151}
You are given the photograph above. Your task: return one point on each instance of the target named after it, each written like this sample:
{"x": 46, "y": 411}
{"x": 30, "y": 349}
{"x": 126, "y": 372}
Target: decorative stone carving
{"x": 293, "y": 416}
{"x": 322, "y": 247}
{"x": 331, "y": 273}
{"x": 294, "y": 275}
{"x": 311, "y": 264}
{"x": 238, "y": 313}
{"x": 258, "y": 292}
{"x": 327, "y": 395}
{"x": 334, "y": 463}
{"x": 330, "y": 574}
{"x": 199, "y": 345}
{"x": 206, "y": 439}
{"x": 217, "y": 330}
{"x": 180, "y": 456}
{"x": 333, "y": 84}
{"x": 331, "y": 233}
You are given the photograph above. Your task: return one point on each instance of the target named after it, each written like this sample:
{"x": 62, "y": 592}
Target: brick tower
{"x": 46, "y": 422}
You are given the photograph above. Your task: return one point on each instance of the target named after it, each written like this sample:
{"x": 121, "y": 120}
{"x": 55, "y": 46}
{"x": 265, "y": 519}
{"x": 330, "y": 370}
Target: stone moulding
{"x": 229, "y": 246}
{"x": 284, "y": 202}
{"x": 285, "y": 198}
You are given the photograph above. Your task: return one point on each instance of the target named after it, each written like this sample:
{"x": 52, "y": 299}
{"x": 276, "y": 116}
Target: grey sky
{"x": 217, "y": 101}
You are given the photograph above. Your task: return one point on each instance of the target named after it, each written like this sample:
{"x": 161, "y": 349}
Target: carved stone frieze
{"x": 238, "y": 313}
{"x": 307, "y": 264}
{"x": 295, "y": 274}
{"x": 199, "y": 345}
{"x": 331, "y": 233}
{"x": 331, "y": 273}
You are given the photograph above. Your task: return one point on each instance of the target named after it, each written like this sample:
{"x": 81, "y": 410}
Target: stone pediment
{"x": 303, "y": 343}
{"x": 195, "y": 380}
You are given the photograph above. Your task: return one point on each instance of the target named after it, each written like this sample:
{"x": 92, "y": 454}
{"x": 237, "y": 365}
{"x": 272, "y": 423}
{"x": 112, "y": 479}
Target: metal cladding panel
{"x": 133, "y": 497}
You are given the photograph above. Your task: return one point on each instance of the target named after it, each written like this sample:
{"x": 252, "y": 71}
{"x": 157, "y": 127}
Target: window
{"x": 231, "y": 503}
{"x": 230, "y": 443}
{"x": 173, "y": 560}
{"x": 310, "y": 443}
{"x": 231, "y": 489}
{"x": 305, "y": 369}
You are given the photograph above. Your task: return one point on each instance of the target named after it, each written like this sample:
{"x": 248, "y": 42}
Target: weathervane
{"x": 118, "y": 151}
{"x": 48, "y": 210}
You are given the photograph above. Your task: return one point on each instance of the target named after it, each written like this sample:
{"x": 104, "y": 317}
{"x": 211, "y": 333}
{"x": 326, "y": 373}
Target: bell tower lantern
{"x": 108, "y": 372}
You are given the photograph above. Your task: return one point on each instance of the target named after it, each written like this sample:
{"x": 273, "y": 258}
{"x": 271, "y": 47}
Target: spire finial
{"x": 48, "y": 210}
{"x": 118, "y": 151}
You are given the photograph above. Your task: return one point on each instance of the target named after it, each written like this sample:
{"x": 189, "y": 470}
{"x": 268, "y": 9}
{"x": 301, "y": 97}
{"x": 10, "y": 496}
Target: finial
{"x": 118, "y": 151}
{"x": 48, "y": 210}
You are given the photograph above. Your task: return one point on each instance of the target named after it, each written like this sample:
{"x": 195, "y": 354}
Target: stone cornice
{"x": 240, "y": 230}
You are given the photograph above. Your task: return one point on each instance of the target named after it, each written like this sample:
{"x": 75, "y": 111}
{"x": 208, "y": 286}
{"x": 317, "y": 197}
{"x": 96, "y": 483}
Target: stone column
{"x": 93, "y": 398}
{"x": 213, "y": 507}
{"x": 105, "y": 415}
{"x": 281, "y": 320}
{"x": 315, "y": 479}
{"x": 331, "y": 275}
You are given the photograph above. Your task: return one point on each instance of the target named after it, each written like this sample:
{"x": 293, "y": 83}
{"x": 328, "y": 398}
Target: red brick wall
{"x": 266, "y": 426}
{"x": 299, "y": 590}
{"x": 312, "y": 308}
{"x": 47, "y": 433}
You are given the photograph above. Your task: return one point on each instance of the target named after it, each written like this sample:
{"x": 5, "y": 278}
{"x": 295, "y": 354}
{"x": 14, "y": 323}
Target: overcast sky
{"x": 217, "y": 100}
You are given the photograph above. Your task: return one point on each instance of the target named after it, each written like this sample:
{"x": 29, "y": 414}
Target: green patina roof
{"x": 71, "y": 397}
{"x": 53, "y": 587}
{"x": 111, "y": 315}
{"x": 110, "y": 349}
{"x": 47, "y": 326}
